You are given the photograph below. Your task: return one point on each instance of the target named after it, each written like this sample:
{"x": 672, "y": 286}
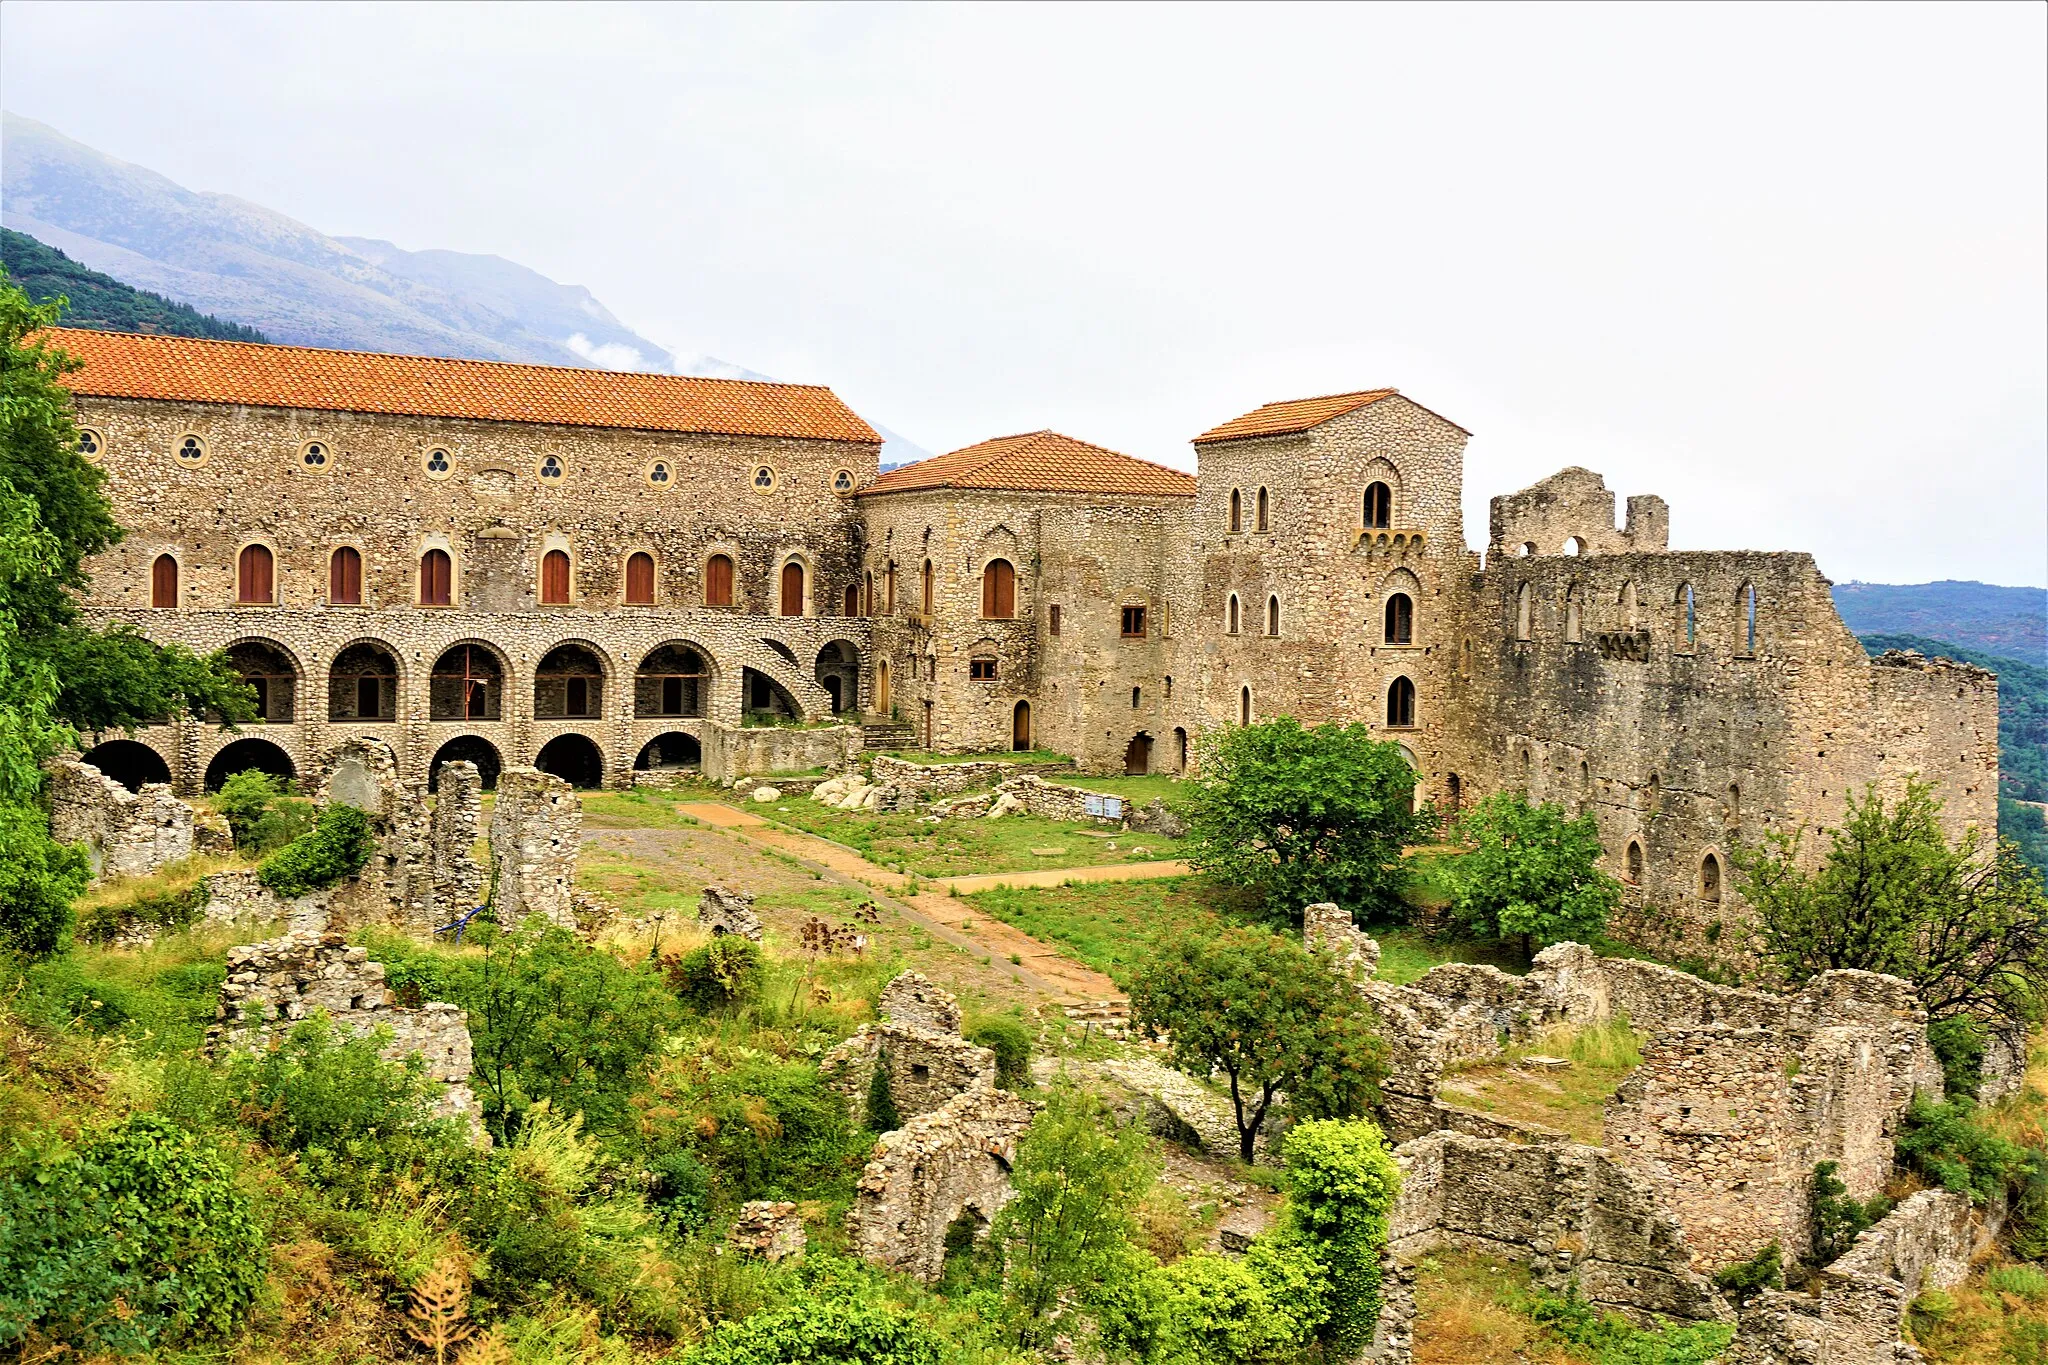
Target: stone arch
{"x": 1138, "y": 755}
{"x": 247, "y": 753}
{"x": 1573, "y": 546}
{"x": 574, "y": 758}
{"x": 1401, "y": 704}
{"x": 468, "y": 682}
{"x": 129, "y": 762}
{"x": 1711, "y": 875}
{"x": 273, "y": 671}
{"x": 761, "y": 694}
{"x": 837, "y": 669}
{"x": 467, "y": 749}
{"x": 568, "y": 682}
{"x": 673, "y": 679}
{"x": 364, "y": 683}
{"x": 670, "y": 751}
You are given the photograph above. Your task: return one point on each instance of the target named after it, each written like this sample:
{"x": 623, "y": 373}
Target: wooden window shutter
{"x": 163, "y": 582}
{"x": 436, "y": 579}
{"x": 345, "y": 577}
{"x": 554, "y": 578}
{"x": 255, "y": 581}
{"x": 640, "y": 579}
{"x": 999, "y": 590}
{"x": 792, "y": 589}
{"x": 718, "y": 582}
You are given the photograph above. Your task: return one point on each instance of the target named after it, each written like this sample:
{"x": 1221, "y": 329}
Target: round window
{"x": 191, "y": 449}
{"x": 842, "y": 481}
{"x": 90, "y": 444}
{"x": 438, "y": 464}
{"x": 313, "y": 455}
{"x": 764, "y": 479}
{"x": 661, "y": 474}
{"x": 551, "y": 469}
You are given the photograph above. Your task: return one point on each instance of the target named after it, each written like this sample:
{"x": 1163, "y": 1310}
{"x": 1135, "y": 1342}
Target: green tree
{"x": 1967, "y": 925}
{"x": 1268, "y": 1014}
{"x": 1532, "y": 875}
{"x": 881, "y": 1107}
{"x": 1341, "y": 1185}
{"x": 337, "y": 846}
{"x": 1079, "y": 1174}
{"x": 817, "y": 1330}
{"x": 1305, "y": 815}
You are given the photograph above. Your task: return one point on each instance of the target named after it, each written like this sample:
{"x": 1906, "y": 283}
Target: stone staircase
{"x": 887, "y": 734}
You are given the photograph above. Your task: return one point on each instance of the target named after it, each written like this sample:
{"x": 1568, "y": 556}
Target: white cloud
{"x": 613, "y": 355}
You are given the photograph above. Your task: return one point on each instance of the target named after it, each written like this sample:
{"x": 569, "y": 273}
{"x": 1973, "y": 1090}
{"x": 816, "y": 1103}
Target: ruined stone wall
{"x": 955, "y": 1160}
{"x": 536, "y": 826}
{"x": 1574, "y": 505}
{"x": 455, "y": 876}
{"x": 731, "y": 753}
{"x": 919, "y": 1040}
{"x": 126, "y": 834}
{"x": 924, "y": 781}
{"x": 239, "y": 900}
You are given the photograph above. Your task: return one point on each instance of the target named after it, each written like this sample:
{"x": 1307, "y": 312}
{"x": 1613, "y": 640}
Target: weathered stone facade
{"x": 925, "y": 1175}
{"x": 126, "y": 834}
{"x": 536, "y": 830}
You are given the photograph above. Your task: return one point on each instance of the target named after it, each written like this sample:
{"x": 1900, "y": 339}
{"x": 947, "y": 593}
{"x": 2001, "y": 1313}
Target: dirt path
{"x": 930, "y": 904}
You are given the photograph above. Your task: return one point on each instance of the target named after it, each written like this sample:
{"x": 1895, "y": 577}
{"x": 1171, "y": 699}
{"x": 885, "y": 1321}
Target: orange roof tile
{"x": 1038, "y": 462}
{"x": 186, "y": 370}
{"x": 1296, "y": 414}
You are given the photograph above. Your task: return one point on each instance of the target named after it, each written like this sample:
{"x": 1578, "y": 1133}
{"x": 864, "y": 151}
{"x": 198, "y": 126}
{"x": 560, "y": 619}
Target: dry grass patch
{"x": 1571, "y": 1099}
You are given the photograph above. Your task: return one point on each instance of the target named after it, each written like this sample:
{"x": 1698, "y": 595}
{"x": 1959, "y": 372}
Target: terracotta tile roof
{"x": 1038, "y": 462}
{"x": 1296, "y": 414}
{"x": 182, "y": 369}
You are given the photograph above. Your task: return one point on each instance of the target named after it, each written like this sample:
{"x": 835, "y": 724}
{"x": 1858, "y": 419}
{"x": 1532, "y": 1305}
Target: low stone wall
{"x": 731, "y": 752}
{"x": 925, "y": 781}
{"x": 1564, "y": 1209}
{"x": 239, "y": 900}
{"x": 536, "y": 832}
{"x": 1053, "y": 801}
{"x": 955, "y": 1160}
{"x": 126, "y": 834}
{"x": 1858, "y": 1315}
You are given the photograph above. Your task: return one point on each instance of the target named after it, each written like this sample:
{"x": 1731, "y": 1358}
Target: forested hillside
{"x": 95, "y": 300}
{"x": 2009, "y": 622}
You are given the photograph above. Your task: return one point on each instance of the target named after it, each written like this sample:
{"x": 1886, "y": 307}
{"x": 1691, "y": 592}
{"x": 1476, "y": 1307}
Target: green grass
{"x": 930, "y": 758}
{"x": 965, "y": 847}
{"x": 1111, "y": 926}
{"x": 1139, "y": 790}
{"x": 1407, "y": 954}
{"x": 1571, "y": 1100}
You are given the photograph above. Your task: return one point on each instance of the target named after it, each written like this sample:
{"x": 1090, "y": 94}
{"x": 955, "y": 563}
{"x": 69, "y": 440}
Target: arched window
{"x": 927, "y": 608}
{"x": 437, "y": 579}
{"x": 1574, "y": 546}
{"x": 163, "y": 582}
{"x": 718, "y": 581}
{"x": 1230, "y": 625}
{"x": 1379, "y": 507}
{"x": 345, "y": 577}
{"x": 1734, "y": 803}
{"x": 1401, "y": 704}
{"x": 1400, "y": 617}
{"x": 1710, "y": 878}
{"x": 1236, "y": 510}
{"x": 554, "y": 578}
{"x": 867, "y": 593}
{"x": 1746, "y": 600}
{"x": 1265, "y": 522}
{"x": 999, "y": 590}
{"x": 792, "y": 589}
{"x": 1628, "y": 603}
{"x": 640, "y": 579}
{"x": 1522, "y": 612}
{"x": 255, "y": 576}
{"x": 1244, "y": 706}
{"x": 1273, "y": 615}
{"x": 1572, "y": 629}
{"x": 889, "y": 590}
{"x": 1528, "y": 765}
{"x": 1686, "y": 623}
{"x": 1635, "y": 862}
{"x": 852, "y": 599}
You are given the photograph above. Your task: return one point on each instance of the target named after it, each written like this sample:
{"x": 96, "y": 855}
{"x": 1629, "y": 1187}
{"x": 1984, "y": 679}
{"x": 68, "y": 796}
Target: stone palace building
{"x": 601, "y": 573}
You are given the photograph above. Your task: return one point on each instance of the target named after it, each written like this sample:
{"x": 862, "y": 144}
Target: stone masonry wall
{"x": 536, "y": 826}
{"x": 918, "y": 1038}
{"x": 731, "y": 752}
{"x": 126, "y": 834}
{"x": 929, "y": 1172}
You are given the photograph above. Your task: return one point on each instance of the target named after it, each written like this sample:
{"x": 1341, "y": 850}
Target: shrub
{"x": 680, "y": 1185}
{"x": 1265, "y": 1306}
{"x": 881, "y": 1107}
{"x": 243, "y": 798}
{"x": 2022, "y": 1281}
{"x": 1837, "y": 1218}
{"x": 725, "y": 971}
{"x": 1958, "y": 1043}
{"x": 1949, "y": 1145}
{"x": 1612, "y": 1340}
{"x": 39, "y": 878}
{"x": 1341, "y": 1184}
{"x": 336, "y": 847}
{"x": 772, "y": 1128}
{"x": 138, "y": 1239}
{"x": 815, "y": 1329}
{"x": 1011, "y": 1042}
{"x": 1745, "y": 1280}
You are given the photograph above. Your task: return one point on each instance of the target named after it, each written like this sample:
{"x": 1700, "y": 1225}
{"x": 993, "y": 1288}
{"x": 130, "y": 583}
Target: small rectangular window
{"x": 1053, "y": 620}
{"x": 981, "y": 670}
{"x": 1134, "y": 623}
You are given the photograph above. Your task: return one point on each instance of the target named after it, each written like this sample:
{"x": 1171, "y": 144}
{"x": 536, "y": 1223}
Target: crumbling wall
{"x": 535, "y": 829}
{"x": 770, "y": 1229}
{"x": 924, "y": 1176}
{"x": 1055, "y": 801}
{"x": 126, "y": 834}
{"x": 395, "y": 884}
{"x": 1574, "y": 503}
{"x": 918, "y": 1038}
{"x": 1564, "y": 1209}
{"x": 731, "y": 752}
{"x": 723, "y": 910}
{"x": 1330, "y": 926}
{"x": 238, "y": 899}
{"x": 927, "y": 780}
{"x": 455, "y": 877}
{"x": 1857, "y": 1315}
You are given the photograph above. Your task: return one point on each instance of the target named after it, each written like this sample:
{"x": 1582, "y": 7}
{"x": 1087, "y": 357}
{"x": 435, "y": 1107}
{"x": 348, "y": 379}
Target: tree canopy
{"x": 1532, "y": 874}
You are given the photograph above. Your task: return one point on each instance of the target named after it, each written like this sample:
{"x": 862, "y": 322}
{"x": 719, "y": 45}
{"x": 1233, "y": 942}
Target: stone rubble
{"x": 722, "y": 910}
{"x": 770, "y": 1229}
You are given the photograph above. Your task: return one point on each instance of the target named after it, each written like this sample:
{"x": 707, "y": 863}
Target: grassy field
{"x": 1112, "y": 925}
{"x": 1572, "y": 1100}
{"x": 1140, "y": 790}
{"x": 968, "y": 847}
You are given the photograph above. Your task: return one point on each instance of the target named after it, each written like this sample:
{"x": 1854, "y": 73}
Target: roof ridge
{"x": 435, "y": 359}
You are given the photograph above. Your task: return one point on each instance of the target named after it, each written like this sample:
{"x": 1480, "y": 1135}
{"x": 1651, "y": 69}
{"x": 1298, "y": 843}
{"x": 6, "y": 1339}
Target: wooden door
{"x": 792, "y": 589}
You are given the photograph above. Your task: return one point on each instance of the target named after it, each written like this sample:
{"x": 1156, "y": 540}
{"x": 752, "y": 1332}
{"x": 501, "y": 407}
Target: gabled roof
{"x": 188, "y": 370}
{"x": 1293, "y": 415}
{"x": 1037, "y": 462}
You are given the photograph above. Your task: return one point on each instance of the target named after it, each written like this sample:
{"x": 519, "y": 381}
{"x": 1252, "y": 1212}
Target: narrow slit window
{"x": 1236, "y": 510}
{"x": 1272, "y": 615}
{"x": 1265, "y": 505}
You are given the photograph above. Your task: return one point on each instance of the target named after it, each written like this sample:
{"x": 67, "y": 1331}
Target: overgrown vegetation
{"x": 92, "y": 299}
{"x": 1532, "y": 876}
{"x": 337, "y": 847}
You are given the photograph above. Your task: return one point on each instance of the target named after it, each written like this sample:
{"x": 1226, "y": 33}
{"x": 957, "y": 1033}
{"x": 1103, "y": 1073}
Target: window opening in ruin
{"x": 1169, "y": 687}
{"x": 1230, "y": 626}
{"x": 1454, "y": 792}
{"x": 191, "y": 449}
{"x": 437, "y": 579}
{"x": 671, "y": 681}
{"x": 1749, "y": 618}
{"x": 255, "y": 582}
{"x": 1522, "y": 612}
{"x": 1020, "y": 727}
{"x": 1526, "y": 550}
{"x": 1052, "y": 620}
{"x": 1180, "y": 749}
{"x": 129, "y": 762}
{"x": 1635, "y": 862}
{"x": 671, "y": 752}
{"x": 1573, "y": 632}
{"x": 1528, "y": 764}
{"x": 999, "y": 590}
{"x": 1273, "y": 615}
{"x": 554, "y": 578}
{"x": 1400, "y": 619}
{"x": 889, "y": 586}
{"x": 244, "y": 754}
{"x": 639, "y": 579}
{"x": 852, "y": 605}
{"x": 1734, "y": 803}
{"x": 345, "y": 577}
{"x": 718, "y": 581}
{"x": 1379, "y": 507}
{"x": 1236, "y": 510}
{"x": 884, "y": 702}
{"x": 1574, "y": 547}
{"x": 1133, "y": 623}
{"x": 551, "y": 470}
{"x": 1244, "y": 706}
{"x": 1138, "y": 755}
{"x": 1710, "y": 878}
{"x": 793, "y": 589}
{"x": 90, "y": 443}
{"x": 163, "y": 581}
{"x": 1401, "y": 704}
{"x": 867, "y": 595}
{"x": 438, "y": 463}
{"x": 927, "y": 587}
{"x": 981, "y": 668}
{"x": 927, "y": 725}
{"x": 1265, "y": 522}
{"x": 467, "y": 684}
{"x": 1628, "y": 603}
{"x": 363, "y": 684}
{"x": 1688, "y": 622}
{"x": 1135, "y": 694}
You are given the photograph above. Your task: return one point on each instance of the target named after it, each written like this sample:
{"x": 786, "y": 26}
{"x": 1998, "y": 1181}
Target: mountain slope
{"x": 2012, "y": 622}
{"x": 96, "y": 300}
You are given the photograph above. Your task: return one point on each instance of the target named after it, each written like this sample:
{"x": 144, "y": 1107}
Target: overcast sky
{"x": 1783, "y": 265}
